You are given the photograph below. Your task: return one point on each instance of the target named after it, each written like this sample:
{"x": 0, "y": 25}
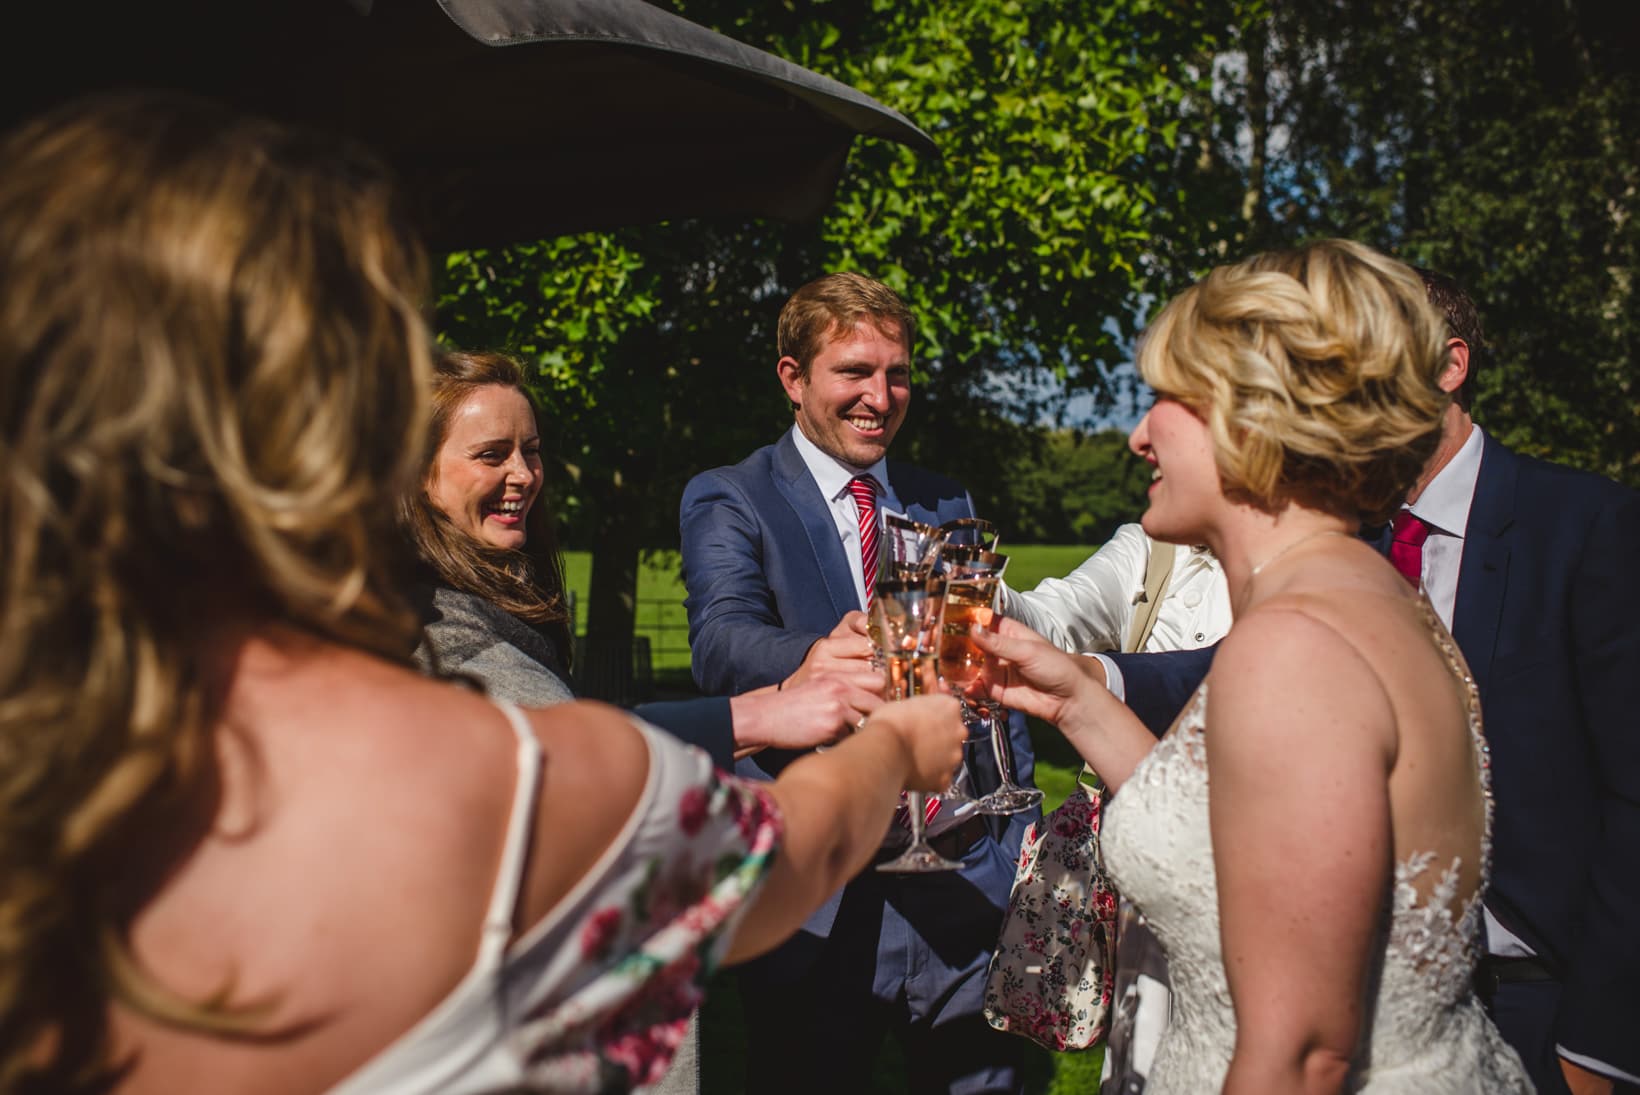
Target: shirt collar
{"x": 1445, "y": 502}
{"x": 830, "y": 474}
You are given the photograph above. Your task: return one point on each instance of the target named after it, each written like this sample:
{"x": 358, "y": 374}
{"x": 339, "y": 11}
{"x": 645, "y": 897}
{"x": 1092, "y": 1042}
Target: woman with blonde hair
{"x": 244, "y": 846}
{"x": 1320, "y": 908}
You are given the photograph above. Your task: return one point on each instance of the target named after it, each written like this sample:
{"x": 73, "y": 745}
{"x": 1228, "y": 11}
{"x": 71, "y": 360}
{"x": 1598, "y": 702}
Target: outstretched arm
{"x": 837, "y": 805}
{"x": 1086, "y": 611}
{"x": 1157, "y": 686}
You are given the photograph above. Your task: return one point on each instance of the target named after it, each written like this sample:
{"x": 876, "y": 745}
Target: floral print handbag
{"x": 1051, "y": 976}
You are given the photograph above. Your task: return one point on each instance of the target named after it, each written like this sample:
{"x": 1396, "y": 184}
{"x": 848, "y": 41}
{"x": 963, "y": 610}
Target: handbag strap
{"x": 1157, "y": 571}
{"x": 1090, "y": 782}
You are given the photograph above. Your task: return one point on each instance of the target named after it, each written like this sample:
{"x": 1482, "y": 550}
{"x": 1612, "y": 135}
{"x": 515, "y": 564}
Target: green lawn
{"x": 661, "y": 618}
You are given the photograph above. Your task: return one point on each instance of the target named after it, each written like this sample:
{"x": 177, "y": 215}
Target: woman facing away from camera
{"x": 245, "y": 846}
{"x": 1320, "y": 909}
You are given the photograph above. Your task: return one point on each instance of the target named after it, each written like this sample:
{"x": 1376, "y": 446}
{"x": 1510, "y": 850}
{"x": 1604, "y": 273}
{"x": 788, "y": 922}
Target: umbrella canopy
{"x": 507, "y": 119}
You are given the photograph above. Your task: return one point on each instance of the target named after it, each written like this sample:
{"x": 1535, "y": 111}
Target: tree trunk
{"x": 607, "y": 666}
{"x": 1255, "y": 210}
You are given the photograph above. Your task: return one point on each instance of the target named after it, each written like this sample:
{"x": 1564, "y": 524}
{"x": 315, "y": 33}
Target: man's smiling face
{"x": 853, "y": 397}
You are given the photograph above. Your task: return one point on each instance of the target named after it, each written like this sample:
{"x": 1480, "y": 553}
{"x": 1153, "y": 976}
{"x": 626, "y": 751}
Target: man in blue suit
{"x": 776, "y": 584}
{"x": 1535, "y": 568}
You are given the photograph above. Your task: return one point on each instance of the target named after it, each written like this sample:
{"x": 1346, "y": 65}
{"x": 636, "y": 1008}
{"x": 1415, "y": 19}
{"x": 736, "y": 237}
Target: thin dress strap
{"x": 498, "y": 920}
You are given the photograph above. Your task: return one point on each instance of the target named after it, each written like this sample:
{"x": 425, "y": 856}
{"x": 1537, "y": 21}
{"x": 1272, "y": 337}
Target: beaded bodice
{"x": 1426, "y": 1031}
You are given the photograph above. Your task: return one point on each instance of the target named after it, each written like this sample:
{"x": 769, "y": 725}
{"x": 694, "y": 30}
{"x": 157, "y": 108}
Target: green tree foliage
{"x": 1496, "y": 140}
{"x": 1020, "y": 250}
{"x": 1081, "y": 487}
{"x": 1097, "y": 156}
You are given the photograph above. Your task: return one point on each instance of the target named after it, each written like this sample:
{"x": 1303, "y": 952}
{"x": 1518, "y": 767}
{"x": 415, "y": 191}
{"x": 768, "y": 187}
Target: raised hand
{"x": 1024, "y": 671}
{"x": 1029, "y": 674}
{"x": 845, "y": 653}
{"x": 814, "y": 712}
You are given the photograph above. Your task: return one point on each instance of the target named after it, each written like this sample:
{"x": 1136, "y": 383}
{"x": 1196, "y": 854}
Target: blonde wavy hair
{"x": 1316, "y": 371}
{"x": 213, "y": 369}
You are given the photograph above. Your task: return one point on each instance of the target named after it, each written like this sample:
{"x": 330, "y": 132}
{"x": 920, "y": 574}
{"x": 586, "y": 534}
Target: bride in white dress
{"x": 1310, "y": 840}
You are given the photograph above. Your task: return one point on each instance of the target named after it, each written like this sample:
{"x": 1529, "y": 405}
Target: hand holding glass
{"x": 905, "y": 617}
{"x": 974, "y": 577}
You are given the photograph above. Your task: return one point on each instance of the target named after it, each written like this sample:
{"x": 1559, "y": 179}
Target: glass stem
{"x": 999, "y": 746}
{"x": 914, "y": 802}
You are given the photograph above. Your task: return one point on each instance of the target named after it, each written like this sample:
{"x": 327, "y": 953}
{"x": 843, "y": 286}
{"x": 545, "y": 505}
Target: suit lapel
{"x": 798, "y": 488}
{"x": 1483, "y": 575}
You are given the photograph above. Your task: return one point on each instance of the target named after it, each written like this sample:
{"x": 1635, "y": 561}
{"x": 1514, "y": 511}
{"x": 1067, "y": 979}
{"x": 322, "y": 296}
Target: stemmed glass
{"x": 910, "y": 548}
{"x": 906, "y": 617}
{"x": 973, "y": 576}
{"x": 910, "y": 551}
{"x": 971, "y": 532}
{"x": 969, "y": 601}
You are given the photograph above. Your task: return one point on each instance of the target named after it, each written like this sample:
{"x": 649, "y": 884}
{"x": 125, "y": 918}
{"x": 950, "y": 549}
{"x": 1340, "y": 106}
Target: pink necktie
{"x": 1406, "y": 548}
{"x": 864, "y": 489}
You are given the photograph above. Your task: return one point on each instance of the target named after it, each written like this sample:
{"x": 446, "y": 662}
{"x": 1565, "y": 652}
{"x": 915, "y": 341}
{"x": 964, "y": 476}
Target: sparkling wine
{"x": 908, "y": 675}
{"x": 966, "y": 604}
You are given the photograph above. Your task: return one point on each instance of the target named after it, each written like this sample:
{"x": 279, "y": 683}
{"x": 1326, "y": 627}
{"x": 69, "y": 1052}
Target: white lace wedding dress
{"x": 1427, "y": 1033}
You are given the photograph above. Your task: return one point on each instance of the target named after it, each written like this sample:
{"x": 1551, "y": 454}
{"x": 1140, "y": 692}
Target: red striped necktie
{"x": 864, "y": 489}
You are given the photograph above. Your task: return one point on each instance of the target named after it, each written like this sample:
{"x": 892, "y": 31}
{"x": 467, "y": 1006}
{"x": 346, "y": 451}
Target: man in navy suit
{"x": 776, "y": 584}
{"x": 1533, "y": 567}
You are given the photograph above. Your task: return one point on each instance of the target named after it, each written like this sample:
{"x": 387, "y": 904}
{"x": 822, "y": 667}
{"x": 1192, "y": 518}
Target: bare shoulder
{"x": 1291, "y": 666}
{"x": 595, "y": 767}
{"x": 593, "y": 742}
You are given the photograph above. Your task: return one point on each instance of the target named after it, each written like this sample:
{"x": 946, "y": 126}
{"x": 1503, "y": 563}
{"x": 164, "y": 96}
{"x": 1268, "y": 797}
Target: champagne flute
{"x": 964, "y": 565}
{"x": 907, "y": 615}
{"x": 971, "y": 532}
{"x": 969, "y": 601}
{"x": 910, "y": 548}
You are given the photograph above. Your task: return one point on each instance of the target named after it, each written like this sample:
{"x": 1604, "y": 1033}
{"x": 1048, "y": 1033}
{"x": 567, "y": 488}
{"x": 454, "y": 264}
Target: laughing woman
{"x": 491, "y": 595}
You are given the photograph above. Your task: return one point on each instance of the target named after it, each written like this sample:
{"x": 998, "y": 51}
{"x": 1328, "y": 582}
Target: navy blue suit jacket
{"x": 1548, "y": 617}
{"x": 767, "y": 577}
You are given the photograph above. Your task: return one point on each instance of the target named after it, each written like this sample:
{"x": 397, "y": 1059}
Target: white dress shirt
{"x": 832, "y": 477}
{"x": 1444, "y": 507}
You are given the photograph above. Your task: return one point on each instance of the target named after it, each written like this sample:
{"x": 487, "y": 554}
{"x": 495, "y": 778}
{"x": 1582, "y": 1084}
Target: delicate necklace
{"x": 1291, "y": 546}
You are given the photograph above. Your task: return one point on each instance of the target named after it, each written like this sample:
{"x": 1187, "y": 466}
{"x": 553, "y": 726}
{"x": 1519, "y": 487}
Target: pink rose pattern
{"x": 655, "y": 948}
{"x": 1051, "y": 979}
{"x": 599, "y": 932}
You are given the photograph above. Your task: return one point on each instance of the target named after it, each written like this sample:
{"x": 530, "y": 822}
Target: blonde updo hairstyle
{"x": 213, "y": 371}
{"x": 1315, "y": 370}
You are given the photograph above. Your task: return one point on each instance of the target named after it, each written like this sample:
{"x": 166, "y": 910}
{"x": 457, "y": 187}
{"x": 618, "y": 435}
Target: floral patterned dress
{"x": 597, "y": 996}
